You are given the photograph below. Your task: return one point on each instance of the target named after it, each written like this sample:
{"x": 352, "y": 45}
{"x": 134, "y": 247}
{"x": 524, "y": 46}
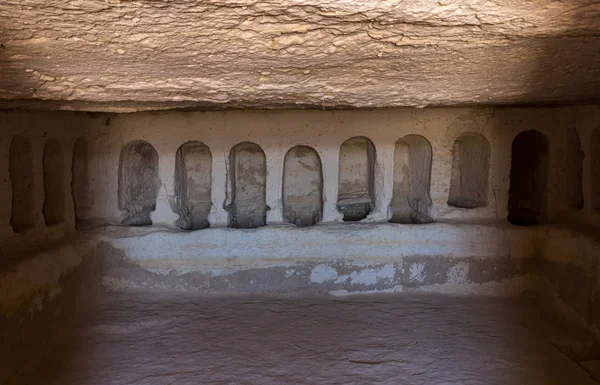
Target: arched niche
{"x": 595, "y": 168}
{"x": 54, "y": 183}
{"x": 356, "y": 197}
{"x": 528, "y": 179}
{"x": 21, "y": 177}
{"x": 138, "y": 182}
{"x": 411, "y": 202}
{"x": 574, "y": 169}
{"x": 470, "y": 168}
{"x": 193, "y": 183}
{"x": 80, "y": 184}
{"x": 248, "y": 178}
{"x": 302, "y": 186}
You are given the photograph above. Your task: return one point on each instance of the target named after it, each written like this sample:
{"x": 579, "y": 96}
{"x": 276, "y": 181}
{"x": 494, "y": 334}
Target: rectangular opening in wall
{"x": 411, "y": 202}
{"x": 193, "y": 185}
{"x": 248, "y": 179}
{"x": 138, "y": 183}
{"x": 356, "y": 178}
{"x": 302, "y": 186}
{"x": 528, "y": 179}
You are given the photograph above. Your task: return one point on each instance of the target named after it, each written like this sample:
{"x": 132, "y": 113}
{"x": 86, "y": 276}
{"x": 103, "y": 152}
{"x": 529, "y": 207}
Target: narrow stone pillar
{"x": 275, "y": 159}
{"x": 69, "y": 215}
{"x": 37, "y": 145}
{"x": 330, "y": 162}
{"x": 384, "y": 183}
{"x": 219, "y": 217}
{"x": 441, "y": 169}
{"x": 164, "y": 214}
{"x": 500, "y": 165}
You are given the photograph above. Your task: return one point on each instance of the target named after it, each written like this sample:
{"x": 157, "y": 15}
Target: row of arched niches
{"x": 302, "y": 181}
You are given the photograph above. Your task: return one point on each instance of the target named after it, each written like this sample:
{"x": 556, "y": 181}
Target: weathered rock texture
{"x": 411, "y": 202}
{"x": 113, "y": 54}
{"x": 302, "y": 186}
{"x": 138, "y": 182}
{"x": 80, "y": 184}
{"x": 193, "y": 185}
{"x": 248, "y": 186}
{"x": 21, "y": 177}
{"x": 356, "y": 179}
{"x": 132, "y": 174}
{"x": 54, "y": 193}
{"x": 470, "y": 166}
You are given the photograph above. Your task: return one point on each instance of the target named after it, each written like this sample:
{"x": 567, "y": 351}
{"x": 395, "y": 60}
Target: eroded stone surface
{"x": 124, "y": 55}
{"x": 163, "y": 338}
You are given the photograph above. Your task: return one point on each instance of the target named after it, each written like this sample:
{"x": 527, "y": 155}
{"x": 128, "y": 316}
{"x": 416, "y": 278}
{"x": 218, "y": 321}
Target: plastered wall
{"x": 276, "y": 132}
{"x": 465, "y": 246}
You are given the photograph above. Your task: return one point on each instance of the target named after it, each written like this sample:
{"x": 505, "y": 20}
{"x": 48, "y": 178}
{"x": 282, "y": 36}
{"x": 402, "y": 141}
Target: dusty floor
{"x": 159, "y": 338}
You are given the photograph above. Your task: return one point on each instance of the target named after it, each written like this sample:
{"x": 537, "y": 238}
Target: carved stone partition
{"x": 595, "y": 169}
{"x": 80, "y": 181}
{"x": 6, "y": 188}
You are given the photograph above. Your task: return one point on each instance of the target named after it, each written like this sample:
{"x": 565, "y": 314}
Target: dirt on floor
{"x": 150, "y": 337}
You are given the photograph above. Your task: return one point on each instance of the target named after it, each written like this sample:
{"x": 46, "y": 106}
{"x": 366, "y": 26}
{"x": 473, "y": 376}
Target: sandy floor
{"x": 157, "y": 338}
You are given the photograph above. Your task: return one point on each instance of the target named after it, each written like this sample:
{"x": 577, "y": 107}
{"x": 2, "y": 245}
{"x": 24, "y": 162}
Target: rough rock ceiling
{"x": 127, "y": 55}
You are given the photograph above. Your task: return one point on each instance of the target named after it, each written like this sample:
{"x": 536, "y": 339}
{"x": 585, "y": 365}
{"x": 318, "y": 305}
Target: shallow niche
{"x": 80, "y": 185}
{"x": 356, "y": 178}
{"x": 138, "y": 182}
{"x": 21, "y": 177}
{"x": 302, "y": 187}
{"x": 595, "y": 168}
{"x": 54, "y": 186}
{"x": 248, "y": 181}
{"x": 193, "y": 181}
{"x": 528, "y": 179}
{"x": 470, "y": 168}
{"x": 411, "y": 202}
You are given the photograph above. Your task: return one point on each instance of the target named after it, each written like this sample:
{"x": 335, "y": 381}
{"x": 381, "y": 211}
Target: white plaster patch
{"x": 458, "y": 273}
{"x": 342, "y": 278}
{"x": 372, "y": 276}
{"x": 323, "y": 273}
{"x": 417, "y": 272}
{"x": 289, "y": 273}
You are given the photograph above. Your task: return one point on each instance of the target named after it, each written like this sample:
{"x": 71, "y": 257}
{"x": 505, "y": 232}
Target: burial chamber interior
{"x": 299, "y": 192}
{"x": 127, "y": 227}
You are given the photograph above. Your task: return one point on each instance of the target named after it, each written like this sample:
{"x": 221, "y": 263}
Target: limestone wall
{"x": 93, "y": 179}
{"x": 275, "y": 133}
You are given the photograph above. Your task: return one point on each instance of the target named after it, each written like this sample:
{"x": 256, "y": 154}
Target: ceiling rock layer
{"x": 132, "y": 55}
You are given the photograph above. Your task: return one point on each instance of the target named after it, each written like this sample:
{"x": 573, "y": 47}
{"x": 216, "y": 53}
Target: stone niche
{"x": 528, "y": 179}
{"x": 248, "y": 186}
{"x": 412, "y": 173}
{"x": 193, "y": 181}
{"x": 357, "y": 166}
{"x": 302, "y": 187}
{"x": 138, "y": 182}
